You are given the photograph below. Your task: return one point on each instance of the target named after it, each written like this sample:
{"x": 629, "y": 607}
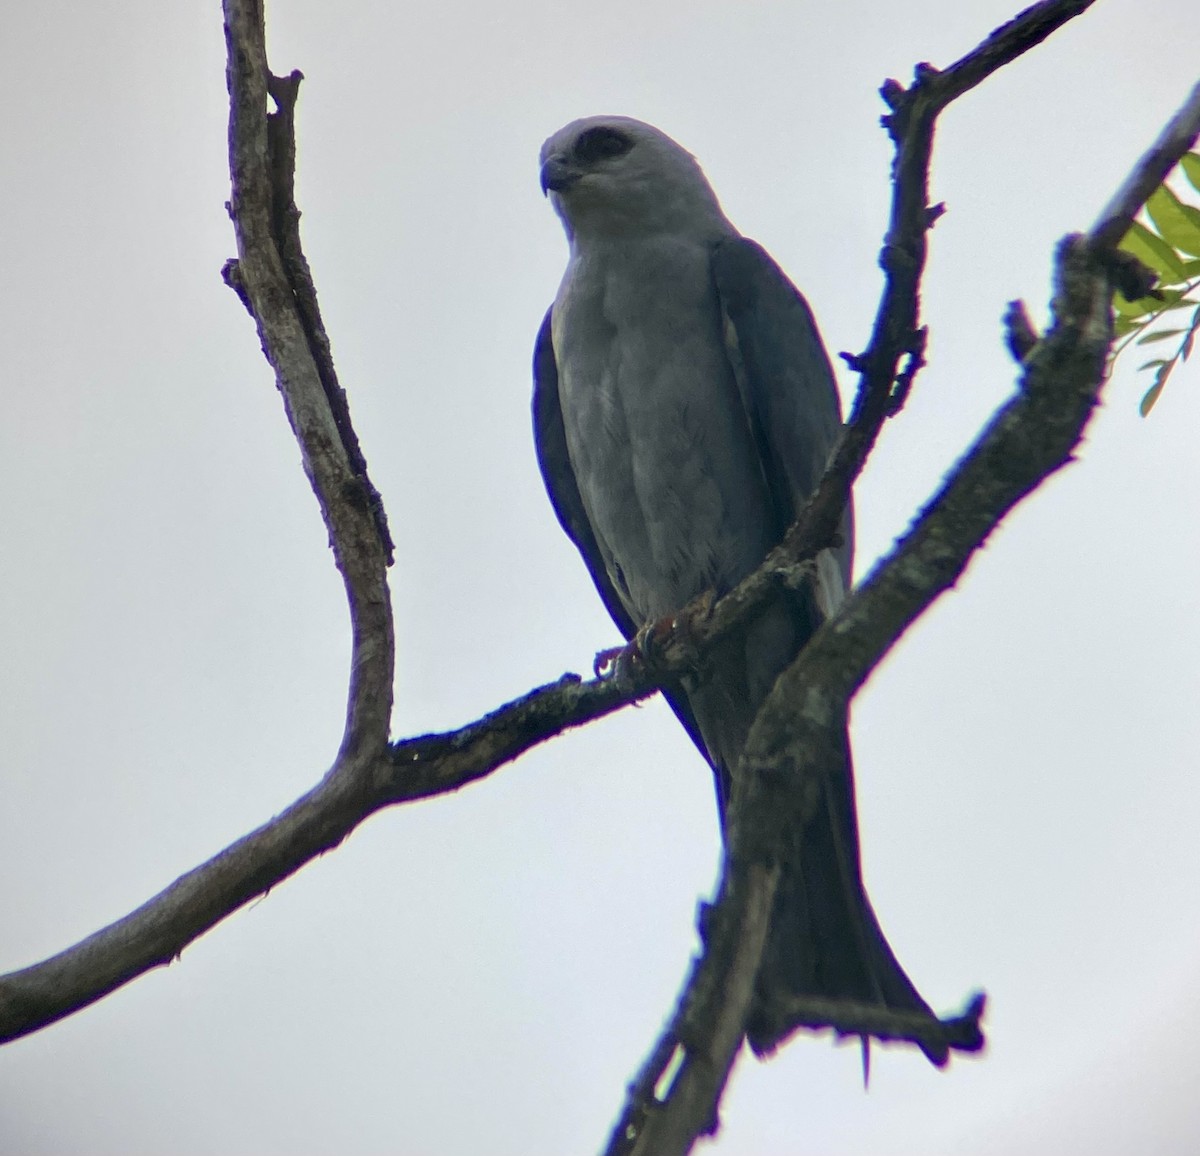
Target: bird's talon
{"x": 604, "y": 665}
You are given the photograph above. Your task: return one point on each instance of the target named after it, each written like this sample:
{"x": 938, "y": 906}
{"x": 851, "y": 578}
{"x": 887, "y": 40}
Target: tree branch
{"x": 1176, "y": 139}
{"x": 706, "y": 1031}
{"x": 960, "y": 1033}
{"x": 895, "y": 352}
{"x": 798, "y": 732}
{"x": 896, "y": 349}
{"x": 261, "y": 157}
{"x": 273, "y": 280}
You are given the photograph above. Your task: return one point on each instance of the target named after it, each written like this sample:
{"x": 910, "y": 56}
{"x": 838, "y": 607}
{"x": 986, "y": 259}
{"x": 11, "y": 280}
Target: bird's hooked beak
{"x": 557, "y": 174}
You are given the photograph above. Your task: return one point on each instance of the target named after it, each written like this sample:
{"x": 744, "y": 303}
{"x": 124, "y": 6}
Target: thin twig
{"x": 959, "y": 1033}
{"x": 1176, "y": 139}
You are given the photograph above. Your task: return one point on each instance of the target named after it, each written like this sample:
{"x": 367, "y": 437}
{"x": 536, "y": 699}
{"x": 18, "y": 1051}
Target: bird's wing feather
{"x": 831, "y": 943}
{"x": 784, "y": 376}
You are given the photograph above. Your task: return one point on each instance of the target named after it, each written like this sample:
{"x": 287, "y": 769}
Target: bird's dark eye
{"x": 601, "y": 144}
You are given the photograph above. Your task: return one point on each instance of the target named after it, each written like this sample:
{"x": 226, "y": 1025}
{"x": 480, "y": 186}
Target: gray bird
{"x": 684, "y": 410}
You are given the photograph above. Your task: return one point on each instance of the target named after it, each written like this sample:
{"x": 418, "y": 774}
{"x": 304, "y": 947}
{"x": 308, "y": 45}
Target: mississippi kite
{"x": 684, "y": 409}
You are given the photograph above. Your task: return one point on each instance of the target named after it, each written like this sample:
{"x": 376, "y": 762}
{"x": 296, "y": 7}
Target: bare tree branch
{"x": 285, "y": 219}
{"x": 158, "y": 931}
{"x": 272, "y": 278}
{"x": 284, "y": 308}
{"x": 1176, "y": 139}
{"x": 895, "y": 352}
{"x": 799, "y": 731}
{"x": 281, "y": 306}
{"x": 706, "y": 1032}
{"x": 959, "y": 1033}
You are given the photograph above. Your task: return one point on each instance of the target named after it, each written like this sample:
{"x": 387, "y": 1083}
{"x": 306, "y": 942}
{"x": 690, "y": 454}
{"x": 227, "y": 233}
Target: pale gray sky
{"x": 481, "y": 974}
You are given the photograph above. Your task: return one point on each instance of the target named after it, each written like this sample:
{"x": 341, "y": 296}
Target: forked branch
{"x": 272, "y": 277}
{"x": 797, "y": 733}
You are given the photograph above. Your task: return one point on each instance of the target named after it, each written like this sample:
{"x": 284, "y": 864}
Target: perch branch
{"x": 368, "y": 774}
{"x": 802, "y": 721}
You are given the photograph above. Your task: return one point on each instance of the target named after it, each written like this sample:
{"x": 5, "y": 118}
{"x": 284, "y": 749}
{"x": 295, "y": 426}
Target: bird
{"x": 684, "y": 409}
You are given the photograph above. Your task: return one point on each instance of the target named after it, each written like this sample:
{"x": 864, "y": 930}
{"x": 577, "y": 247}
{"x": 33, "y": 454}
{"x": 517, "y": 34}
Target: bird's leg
{"x": 677, "y": 631}
{"x": 652, "y": 639}
{"x": 619, "y": 662}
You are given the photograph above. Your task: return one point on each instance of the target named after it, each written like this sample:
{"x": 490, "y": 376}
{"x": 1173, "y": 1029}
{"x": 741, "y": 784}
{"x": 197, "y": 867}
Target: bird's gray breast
{"x": 658, "y": 439}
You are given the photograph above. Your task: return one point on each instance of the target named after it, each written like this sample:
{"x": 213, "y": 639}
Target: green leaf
{"x": 1178, "y": 223}
{"x": 1152, "y": 250}
{"x": 1143, "y": 307}
{"x": 1155, "y": 364}
{"x": 1191, "y": 169}
{"x": 1159, "y": 335}
{"x": 1179, "y": 301}
{"x": 1138, "y": 308}
{"x": 1160, "y": 379}
{"x": 1172, "y": 298}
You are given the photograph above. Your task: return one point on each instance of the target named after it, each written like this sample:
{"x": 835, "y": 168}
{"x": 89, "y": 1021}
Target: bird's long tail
{"x": 825, "y": 939}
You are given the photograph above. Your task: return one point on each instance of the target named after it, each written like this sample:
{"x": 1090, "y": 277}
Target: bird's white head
{"x": 612, "y": 176}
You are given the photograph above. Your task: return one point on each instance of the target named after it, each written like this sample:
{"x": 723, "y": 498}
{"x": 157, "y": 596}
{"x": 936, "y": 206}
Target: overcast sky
{"x": 482, "y": 973}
